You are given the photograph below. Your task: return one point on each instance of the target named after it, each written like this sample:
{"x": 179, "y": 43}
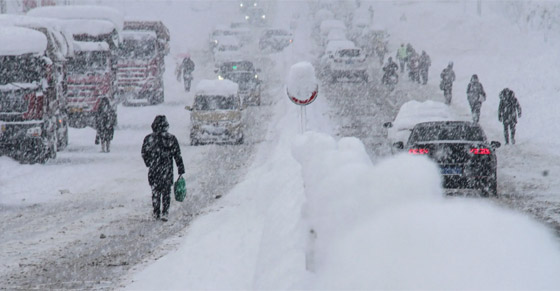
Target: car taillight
{"x": 480, "y": 151}
{"x": 418, "y": 151}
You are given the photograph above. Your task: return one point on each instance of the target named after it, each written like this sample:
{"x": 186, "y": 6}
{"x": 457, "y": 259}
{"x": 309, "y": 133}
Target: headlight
{"x": 256, "y": 76}
{"x": 216, "y": 41}
{"x": 240, "y": 4}
{"x": 246, "y": 17}
{"x": 263, "y": 16}
{"x": 34, "y": 131}
{"x": 220, "y": 77}
{"x": 255, "y": 4}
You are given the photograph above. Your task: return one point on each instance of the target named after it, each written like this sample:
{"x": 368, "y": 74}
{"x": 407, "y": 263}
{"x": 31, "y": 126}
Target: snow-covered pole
{"x": 302, "y": 87}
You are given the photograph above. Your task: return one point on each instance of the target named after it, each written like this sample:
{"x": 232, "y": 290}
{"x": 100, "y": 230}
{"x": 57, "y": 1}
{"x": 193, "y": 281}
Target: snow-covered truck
{"x": 29, "y": 105}
{"x": 92, "y": 72}
{"x": 59, "y": 50}
{"x": 216, "y": 113}
{"x": 141, "y": 62}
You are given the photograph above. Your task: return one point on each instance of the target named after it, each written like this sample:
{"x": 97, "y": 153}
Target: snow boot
{"x": 164, "y": 217}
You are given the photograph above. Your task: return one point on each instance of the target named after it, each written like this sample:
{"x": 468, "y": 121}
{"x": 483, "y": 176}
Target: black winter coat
{"x": 158, "y": 151}
{"x": 105, "y": 122}
{"x": 509, "y": 107}
{"x": 475, "y": 92}
{"x": 447, "y": 78}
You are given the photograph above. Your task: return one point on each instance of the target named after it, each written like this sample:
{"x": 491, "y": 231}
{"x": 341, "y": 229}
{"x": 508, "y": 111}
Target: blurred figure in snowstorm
{"x": 446, "y": 84}
{"x": 424, "y": 65}
{"x": 401, "y": 56}
{"x": 475, "y": 95}
{"x": 381, "y": 50}
{"x": 105, "y": 121}
{"x": 508, "y": 112}
{"x": 414, "y": 67}
{"x": 158, "y": 151}
{"x": 390, "y": 69}
{"x": 186, "y": 69}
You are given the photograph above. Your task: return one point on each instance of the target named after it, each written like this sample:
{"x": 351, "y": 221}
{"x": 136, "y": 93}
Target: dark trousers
{"x": 509, "y": 128}
{"x": 424, "y": 75}
{"x": 475, "y": 109}
{"x": 161, "y": 195}
{"x": 447, "y": 95}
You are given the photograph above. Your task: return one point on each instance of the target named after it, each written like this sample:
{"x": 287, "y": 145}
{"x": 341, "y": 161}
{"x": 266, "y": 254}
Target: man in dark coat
{"x": 105, "y": 121}
{"x": 508, "y": 111}
{"x": 158, "y": 151}
{"x": 423, "y": 66}
{"x": 475, "y": 95}
{"x": 389, "y": 70}
{"x": 187, "y": 68}
{"x": 447, "y": 79}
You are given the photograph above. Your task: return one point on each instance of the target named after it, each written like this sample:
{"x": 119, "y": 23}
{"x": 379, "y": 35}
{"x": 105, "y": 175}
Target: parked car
{"x": 216, "y": 115}
{"x": 466, "y": 159}
{"x": 228, "y": 49}
{"x": 275, "y": 39}
{"x": 246, "y": 76}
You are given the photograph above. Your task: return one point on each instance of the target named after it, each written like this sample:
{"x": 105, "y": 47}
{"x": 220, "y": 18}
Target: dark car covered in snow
{"x": 246, "y": 76}
{"x": 466, "y": 159}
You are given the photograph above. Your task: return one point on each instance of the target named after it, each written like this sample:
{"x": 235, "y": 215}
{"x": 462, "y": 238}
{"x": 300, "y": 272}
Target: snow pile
{"x": 19, "y": 41}
{"x": 216, "y": 87}
{"x": 88, "y": 26}
{"x": 301, "y": 81}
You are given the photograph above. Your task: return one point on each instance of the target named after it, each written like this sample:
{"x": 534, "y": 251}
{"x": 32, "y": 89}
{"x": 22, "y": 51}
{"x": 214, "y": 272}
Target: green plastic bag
{"x": 180, "y": 189}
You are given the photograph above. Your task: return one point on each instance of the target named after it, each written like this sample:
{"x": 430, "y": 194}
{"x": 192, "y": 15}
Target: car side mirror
{"x": 495, "y": 144}
{"x": 188, "y": 108}
{"x": 216, "y": 71}
{"x": 388, "y": 124}
{"x": 399, "y": 145}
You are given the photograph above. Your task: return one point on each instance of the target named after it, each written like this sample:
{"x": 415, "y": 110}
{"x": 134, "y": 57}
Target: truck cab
{"x": 141, "y": 62}
{"x": 28, "y": 107}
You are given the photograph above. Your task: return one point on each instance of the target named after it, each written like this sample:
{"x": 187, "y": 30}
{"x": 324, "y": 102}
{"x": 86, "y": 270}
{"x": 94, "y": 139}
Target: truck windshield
{"x": 21, "y": 69}
{"x": 215, "y": 103}
{"x": 137, "y": 49}
{"x": 83, "y": 62}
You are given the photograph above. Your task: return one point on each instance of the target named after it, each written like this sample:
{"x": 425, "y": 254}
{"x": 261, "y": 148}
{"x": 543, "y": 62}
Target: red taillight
{"x": 418, "y": 151}
{"x": 480, "y": 151}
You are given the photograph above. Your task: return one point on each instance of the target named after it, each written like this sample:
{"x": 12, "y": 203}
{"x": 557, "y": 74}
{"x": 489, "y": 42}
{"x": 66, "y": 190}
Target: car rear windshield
{"x": 215, "y": 102}
{"x": 352, "y": 53}
{"x": 446, "y": 132}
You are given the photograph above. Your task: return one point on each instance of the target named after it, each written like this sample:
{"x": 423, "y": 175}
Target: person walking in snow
{"x": 105, "y": 121}
{"x": 186, "y": 68}
{"x": 446, "y": 84}
{"x": 475, "y": 95}
{"x": 508, "y": 112}
{"x": 413, "y": 67}
{"x": 159, "y": 149}
{"x": 423, "y": 66}
{"x": 401, "y": 56}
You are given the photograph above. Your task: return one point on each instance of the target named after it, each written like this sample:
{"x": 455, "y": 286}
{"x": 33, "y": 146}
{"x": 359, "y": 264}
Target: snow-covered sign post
{"x": 302, "y": 87}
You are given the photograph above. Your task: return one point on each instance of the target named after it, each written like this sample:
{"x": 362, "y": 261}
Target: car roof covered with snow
{"x": 216, "y": 88}
{"x": 81, "y": 12}
{"x": 414, "y": 112}
{"x": 17, "y": 41}
{"x": 228, "y": 40}
{"x": 335, "y": 45}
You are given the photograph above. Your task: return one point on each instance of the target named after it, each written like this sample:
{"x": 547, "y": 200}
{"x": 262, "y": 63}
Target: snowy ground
{"x": 328, "y": 209}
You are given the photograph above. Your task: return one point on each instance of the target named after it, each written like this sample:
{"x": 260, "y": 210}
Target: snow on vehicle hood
{"x": 15, "y": 41}
{"x": 216, "y": 115}
{"x": 19, "y": 86}
{"x": 81, "y": 12}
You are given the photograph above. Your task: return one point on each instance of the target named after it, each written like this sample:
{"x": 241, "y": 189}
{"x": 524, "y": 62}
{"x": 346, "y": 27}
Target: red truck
{"x": 141, "y": 62}
{"x": 31, "y": 107}
{"x": 92, "y": 71}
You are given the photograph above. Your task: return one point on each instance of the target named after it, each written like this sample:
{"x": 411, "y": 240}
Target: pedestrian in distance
{"x": 401, "y": 56}
{"x": 446, "y": 84}
{"x": 424, "y": 65}
{"x": 185, "y": 69}
{"x": 159, "y": 149}
{"x": 508, "y": 112}
{"x": 105, "y": 121}
{"x": 475, "y": 95}
{"x": 414, "y": 67}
